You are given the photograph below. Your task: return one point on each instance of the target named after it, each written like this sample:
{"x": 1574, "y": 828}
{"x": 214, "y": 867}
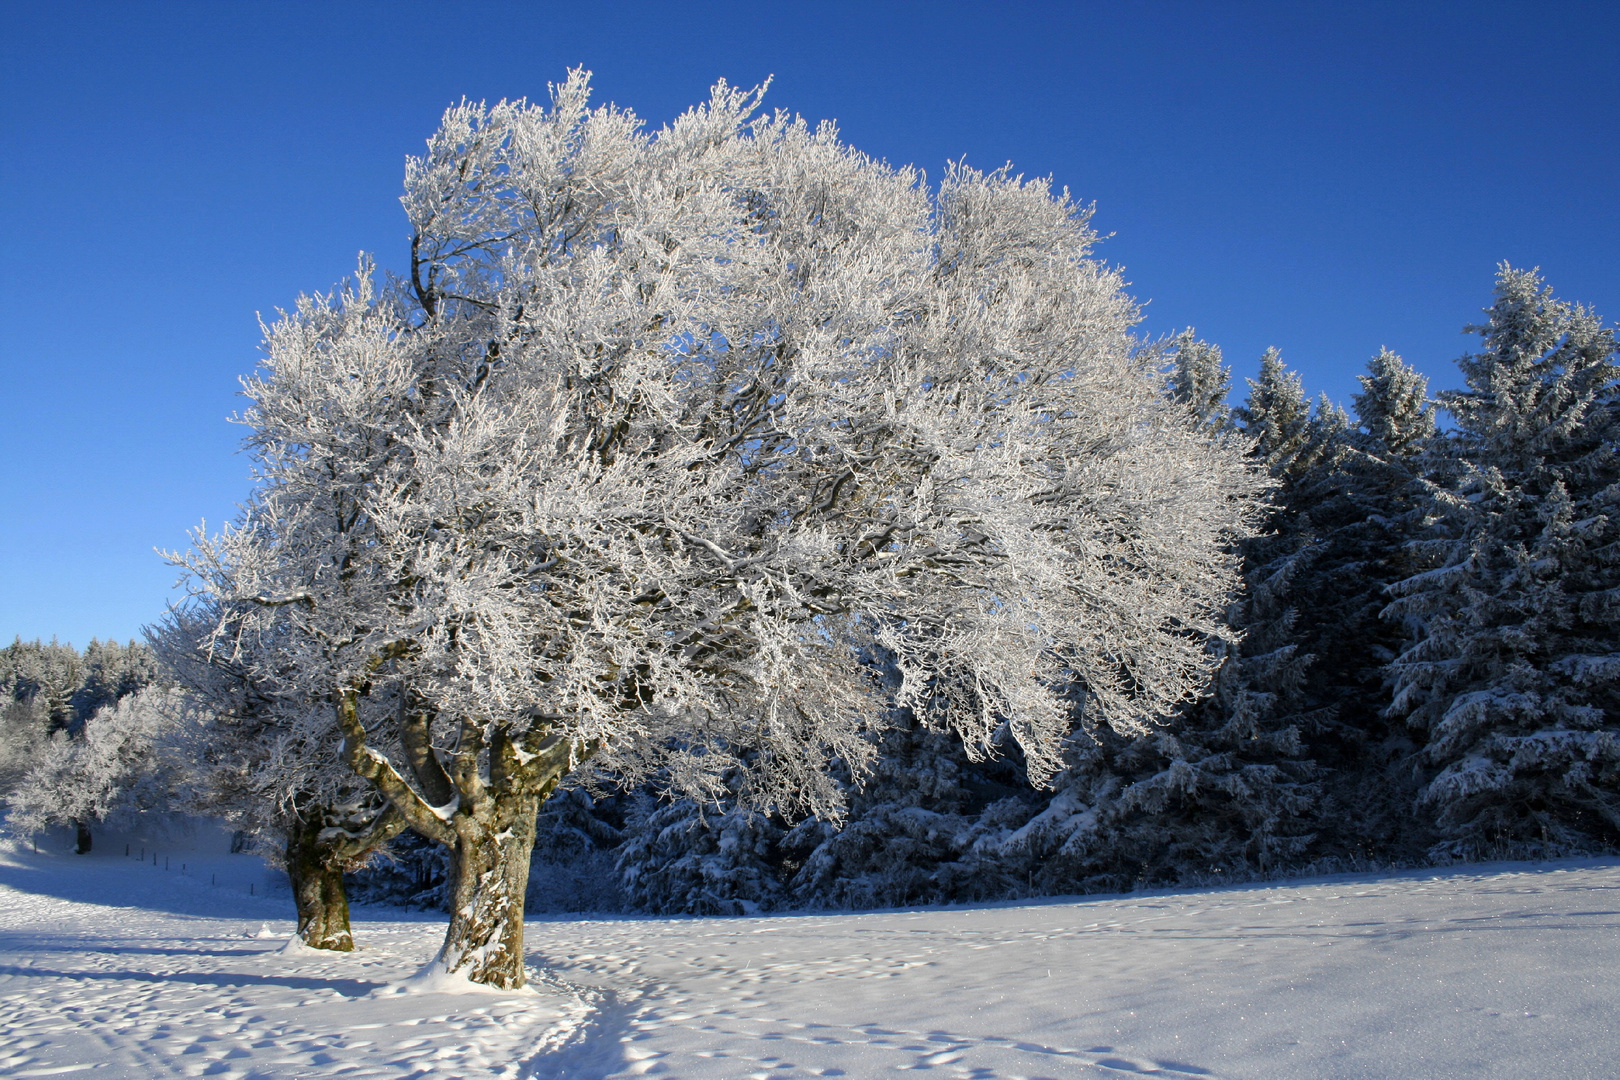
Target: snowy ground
{"x": 112, "y": 967}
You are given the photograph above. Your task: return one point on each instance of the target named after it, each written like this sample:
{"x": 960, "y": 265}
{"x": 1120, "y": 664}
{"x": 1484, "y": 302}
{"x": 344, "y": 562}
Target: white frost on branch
{"x": 666, "y": 435}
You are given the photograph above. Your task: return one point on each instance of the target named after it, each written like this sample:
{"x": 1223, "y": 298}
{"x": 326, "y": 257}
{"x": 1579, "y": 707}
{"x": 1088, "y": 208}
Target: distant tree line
{"x": 48, "y": 693}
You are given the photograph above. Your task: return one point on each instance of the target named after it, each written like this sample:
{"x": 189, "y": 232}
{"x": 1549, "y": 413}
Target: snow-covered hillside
{"x": 116, "y": 968}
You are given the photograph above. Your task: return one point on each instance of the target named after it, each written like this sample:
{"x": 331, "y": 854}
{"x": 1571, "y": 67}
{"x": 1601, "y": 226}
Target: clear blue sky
{"x": 1327, "y": 178}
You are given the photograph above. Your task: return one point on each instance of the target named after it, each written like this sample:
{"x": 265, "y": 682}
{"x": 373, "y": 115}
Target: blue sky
{"x": 1326, "y": 178}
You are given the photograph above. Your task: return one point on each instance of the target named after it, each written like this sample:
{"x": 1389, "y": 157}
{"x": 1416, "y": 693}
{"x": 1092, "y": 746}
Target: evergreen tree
{"x": 24, "y": 727}
{"x": 1393, "y": 410}
{"x": 1200, "y": 381}
{"x": 409, "y": 871}
{"x": 1221, "y": 790}
{"x": 575, "y": 864}
{"x": 680, "y": 857}
{"x": 1277, "y": 415}
{"x": 913, "y": 826}
{"x": 111, "y": 671}
{"x": 1512, "y": 672}
{"x": 46, "y": 675}
{"x": 1364, "y": 510}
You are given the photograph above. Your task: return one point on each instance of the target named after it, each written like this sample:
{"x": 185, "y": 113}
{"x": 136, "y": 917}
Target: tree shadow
{"x": 36, "y": 946}
{"x": 116, "y": 882}
{"x": 219, "y": 979}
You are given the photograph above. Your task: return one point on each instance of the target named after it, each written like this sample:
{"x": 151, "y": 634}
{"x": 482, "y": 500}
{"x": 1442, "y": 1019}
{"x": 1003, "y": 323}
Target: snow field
{"x": 114, "y": 969}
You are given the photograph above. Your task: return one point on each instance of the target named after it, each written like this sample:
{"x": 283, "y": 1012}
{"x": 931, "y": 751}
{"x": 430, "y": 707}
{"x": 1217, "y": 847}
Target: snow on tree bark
{"x": 320, "y": 845}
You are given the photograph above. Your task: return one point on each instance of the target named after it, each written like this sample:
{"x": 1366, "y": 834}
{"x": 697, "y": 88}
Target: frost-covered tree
{"x": 915, "y": 828}
{"x": 1200, "y": 381}
{"x": 681, "y": 857}
{"x": 112, "y": 769}
{"x": 111, "y": 671}
{"x": 1220, "y": 787}
{"x": 1355, "y": 509}
{"x": 1393, "y": 410}
{"x": 1511, "y": 674}
{"x": 259, "y": 752}
{"x": 46, "y": 676}
{"x": 1276, "y": 416}
{"x": 24, "y": 727}
{"x": 48, "y": 692}
{"x": 664, "y": 432}
{"x": 577, "y": 834}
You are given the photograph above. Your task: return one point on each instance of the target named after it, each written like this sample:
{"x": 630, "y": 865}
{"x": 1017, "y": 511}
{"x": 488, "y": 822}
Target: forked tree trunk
{"x": 483, "y": 806}
{"x": 485, "y": 938}
{"x": 317, "y": 888}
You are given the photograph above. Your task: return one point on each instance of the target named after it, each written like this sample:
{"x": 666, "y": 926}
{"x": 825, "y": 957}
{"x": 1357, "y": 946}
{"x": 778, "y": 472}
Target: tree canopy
{"x": 668, "y": 437}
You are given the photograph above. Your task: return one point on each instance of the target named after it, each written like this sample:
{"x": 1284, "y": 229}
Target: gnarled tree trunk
{"x": 320, "y": 846}
{"x": 485, "y": 939}
{"x": 483, "y": 806}
{"x": 317, "y": 888}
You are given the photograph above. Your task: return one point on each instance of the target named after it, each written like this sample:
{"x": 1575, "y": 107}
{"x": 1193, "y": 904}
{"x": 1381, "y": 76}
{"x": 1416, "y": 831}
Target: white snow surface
{"x": 112, "y": 967}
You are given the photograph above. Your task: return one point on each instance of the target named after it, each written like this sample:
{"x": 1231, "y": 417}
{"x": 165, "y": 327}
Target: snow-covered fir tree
{"x": 682, "y": 857}
{"x": 1275, "y": 417}
{"x": 1200, "y": 380}
{"x": 1393, "y": 410}
{"x": 575, "y": 865}
{"x": 913, "y": 827}
{"x": 1347, "y": 501}
{"x": 1362, "y": 506}
{"x": 25, "y": 725}
{"x": 1512, "y": 675}
{"x": 46, "y": 676}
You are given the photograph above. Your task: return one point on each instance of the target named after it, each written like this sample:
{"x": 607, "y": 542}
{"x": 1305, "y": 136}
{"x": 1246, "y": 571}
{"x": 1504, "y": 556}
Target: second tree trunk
{"x": 317, "y": 886}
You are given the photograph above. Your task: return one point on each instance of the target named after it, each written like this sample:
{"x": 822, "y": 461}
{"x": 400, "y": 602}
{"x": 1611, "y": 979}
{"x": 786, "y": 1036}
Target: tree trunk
{"x": 317, "y": 887}
{"x": 485, "y": 939}
{"x": 81, "y": 837}
{"x": 483, "y": 807}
